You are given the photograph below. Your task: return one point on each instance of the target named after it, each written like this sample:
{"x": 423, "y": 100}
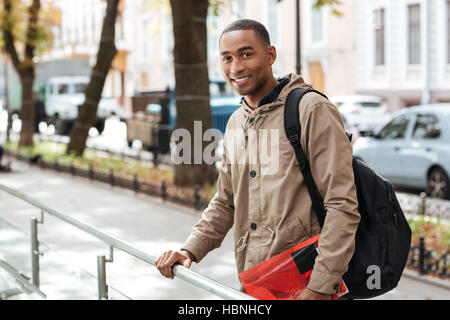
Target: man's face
{"x": 246, "y": 62}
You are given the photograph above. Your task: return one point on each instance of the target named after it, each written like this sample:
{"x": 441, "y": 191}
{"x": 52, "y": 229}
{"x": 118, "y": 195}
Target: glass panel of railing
{"x": 60, "y": 278}
{"x": 15, "y": 247}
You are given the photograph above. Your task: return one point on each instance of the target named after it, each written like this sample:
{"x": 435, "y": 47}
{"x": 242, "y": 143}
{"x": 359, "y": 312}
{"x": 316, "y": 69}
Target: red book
{"x": 286, "y": 275}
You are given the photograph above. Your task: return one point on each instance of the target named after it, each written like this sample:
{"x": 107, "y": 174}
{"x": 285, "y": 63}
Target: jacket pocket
{"x": 294, "y": 233}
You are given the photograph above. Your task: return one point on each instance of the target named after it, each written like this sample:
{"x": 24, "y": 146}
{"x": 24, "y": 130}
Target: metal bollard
{"x": 101, "y": 276}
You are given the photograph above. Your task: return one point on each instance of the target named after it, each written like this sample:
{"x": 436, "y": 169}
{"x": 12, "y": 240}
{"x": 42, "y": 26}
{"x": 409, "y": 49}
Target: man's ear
{"x": 272, "y": 54}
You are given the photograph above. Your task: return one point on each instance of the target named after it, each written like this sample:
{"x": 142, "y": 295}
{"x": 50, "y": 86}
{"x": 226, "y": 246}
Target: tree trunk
{"x": 25, "y": 68}
{"x": 192, "y": 83}
{"x": 27, "y": 113}
{"x": 88, "y": 111}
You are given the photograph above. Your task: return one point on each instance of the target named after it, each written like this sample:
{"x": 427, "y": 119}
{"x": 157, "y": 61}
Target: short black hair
{"x": 248, "y": 24}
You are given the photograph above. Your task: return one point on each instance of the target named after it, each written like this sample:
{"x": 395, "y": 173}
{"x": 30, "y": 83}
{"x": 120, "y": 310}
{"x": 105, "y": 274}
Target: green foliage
{"x": 216, "y": 5}
{"x": 435, "y": 231}
{"x": 331, "y": 3}
{"x": 16, "y": 22}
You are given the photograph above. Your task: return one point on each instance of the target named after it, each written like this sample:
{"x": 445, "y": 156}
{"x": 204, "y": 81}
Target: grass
{"x": 55, "y": 151}
{"x": 435, "y": 231}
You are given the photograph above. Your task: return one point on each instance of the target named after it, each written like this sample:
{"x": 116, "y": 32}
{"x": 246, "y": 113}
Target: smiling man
{"x": 273, "y": 212}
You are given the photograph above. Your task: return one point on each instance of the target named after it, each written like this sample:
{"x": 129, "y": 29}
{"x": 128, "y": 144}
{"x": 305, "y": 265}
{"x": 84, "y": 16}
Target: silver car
{"x": 412, "y": 150}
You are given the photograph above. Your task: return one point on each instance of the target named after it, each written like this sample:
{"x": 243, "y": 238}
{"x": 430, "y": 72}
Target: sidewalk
{"x": 145, "y": 222}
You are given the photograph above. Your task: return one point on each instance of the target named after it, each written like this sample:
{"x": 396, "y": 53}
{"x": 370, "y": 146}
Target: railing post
{"x": 422, "y": 255}
{"x": 111, "y": 177}
{"x": 101, "y": 276}
{"x": 91, "y": 171}
{"x": 34, "y": 253}
{"x": 135, "y": 183}
{"x": 164, "y": 194}
{"x": 423, "y": 202}
{"x": 72, "y": 168}
{"x": 196, "y": 197}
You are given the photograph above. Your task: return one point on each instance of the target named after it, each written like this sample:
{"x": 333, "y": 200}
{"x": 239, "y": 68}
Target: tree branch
{"x": 9, "y": 38}
{"x": 33, "y": 12}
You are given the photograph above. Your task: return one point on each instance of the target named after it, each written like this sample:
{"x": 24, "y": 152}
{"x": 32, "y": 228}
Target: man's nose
{"x": 236, "y": 67}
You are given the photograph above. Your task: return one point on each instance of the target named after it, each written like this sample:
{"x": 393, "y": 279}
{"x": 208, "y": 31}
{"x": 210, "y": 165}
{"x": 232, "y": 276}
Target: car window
{"x": 426, "y": 127}
{"x": 63, "y": 89}
{"x": 396, "y": 129}
{"x": 80, "y": 87}
{"x": 368, "y": 104}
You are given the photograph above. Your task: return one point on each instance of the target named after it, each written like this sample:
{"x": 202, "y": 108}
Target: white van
{"x": 65, "y": 95}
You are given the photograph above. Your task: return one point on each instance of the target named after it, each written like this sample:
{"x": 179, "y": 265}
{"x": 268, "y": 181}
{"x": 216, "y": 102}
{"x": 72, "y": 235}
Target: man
{"x": 271, "y": 209}
{"x": 39, "y": 109}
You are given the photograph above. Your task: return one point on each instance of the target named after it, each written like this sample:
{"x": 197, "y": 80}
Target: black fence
{"x": 428, "y": 261}
{"x": 190, "y": 197}
{"x": 422, "y": 259}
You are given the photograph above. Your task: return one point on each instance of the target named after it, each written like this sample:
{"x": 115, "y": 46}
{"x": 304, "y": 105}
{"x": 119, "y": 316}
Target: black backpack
{"x": 383, "y": 237}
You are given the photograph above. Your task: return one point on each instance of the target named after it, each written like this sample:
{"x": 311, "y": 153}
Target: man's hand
{"x": 313, "y": 295}
{"x": 168, "y": 259}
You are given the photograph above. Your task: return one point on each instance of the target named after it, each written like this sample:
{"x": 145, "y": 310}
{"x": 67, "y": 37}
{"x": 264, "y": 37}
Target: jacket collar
{"x": 272, "y": 95}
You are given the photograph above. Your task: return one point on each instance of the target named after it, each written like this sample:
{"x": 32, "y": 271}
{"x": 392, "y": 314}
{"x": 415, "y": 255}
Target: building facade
{"x": 144, "y": 38}
{"x": 402, "y": 50}
{"x": 76, "y": 40}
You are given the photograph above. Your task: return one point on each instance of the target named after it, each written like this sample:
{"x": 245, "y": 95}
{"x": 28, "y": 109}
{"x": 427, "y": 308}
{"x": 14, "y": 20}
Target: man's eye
{"x": 226, "y": 59}
{"x": 246, "y": 55}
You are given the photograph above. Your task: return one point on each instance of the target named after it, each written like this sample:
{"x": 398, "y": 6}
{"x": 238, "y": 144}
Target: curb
{"x": 426, "y": 279}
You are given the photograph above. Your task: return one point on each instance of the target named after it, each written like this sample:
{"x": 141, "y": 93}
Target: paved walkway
{"x": 68, "y": 269}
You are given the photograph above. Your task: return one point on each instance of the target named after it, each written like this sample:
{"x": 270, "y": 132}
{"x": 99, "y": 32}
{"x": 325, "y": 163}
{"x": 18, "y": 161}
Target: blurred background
{"x": 92, "y": 88}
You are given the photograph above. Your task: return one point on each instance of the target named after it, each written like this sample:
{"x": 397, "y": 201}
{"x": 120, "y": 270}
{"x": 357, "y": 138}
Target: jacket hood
{"x": 295, "y": 81}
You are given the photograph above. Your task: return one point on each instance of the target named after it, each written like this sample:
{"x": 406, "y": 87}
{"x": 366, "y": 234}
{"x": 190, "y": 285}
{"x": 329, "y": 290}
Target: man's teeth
{"x": 241, "y": 79}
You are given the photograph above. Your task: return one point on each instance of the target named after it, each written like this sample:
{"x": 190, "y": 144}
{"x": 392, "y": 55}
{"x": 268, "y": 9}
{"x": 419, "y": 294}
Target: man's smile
{"x": 240, "y": 81}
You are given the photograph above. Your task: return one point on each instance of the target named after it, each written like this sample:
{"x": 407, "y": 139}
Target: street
{"x": 68, "y": 266}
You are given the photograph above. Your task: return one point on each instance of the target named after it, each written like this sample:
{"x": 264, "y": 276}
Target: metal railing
{"x": 181, "y": 272}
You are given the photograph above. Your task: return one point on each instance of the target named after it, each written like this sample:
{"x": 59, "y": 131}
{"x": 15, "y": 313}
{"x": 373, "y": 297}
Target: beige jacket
{"x": 260, "y": 189}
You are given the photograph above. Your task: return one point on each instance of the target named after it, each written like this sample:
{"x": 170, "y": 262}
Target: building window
{"x": 145, "y": 44}
{"x": 380, "y": 22}
{"x": 272, "y": 20}
{"x": 239, "y": 9}
{"x": 414, "y": 34}
{"x": 317, "y": 24}
{"x": 448, "y": 31}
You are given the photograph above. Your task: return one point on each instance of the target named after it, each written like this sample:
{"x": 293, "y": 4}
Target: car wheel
{"x": 100, "y": 126}
{"x": 438, "y": 184}
{"x": 63, "y": 127}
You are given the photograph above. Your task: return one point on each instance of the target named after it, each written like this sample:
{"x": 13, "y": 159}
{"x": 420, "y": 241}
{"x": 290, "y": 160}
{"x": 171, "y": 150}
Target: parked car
{"x": 223, "y": 100}
{"x": 412, "y": 150}
{"x": 365, "y": 113}
{"x": 151, "y": 127}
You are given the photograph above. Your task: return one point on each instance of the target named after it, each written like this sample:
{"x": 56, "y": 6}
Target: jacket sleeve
{"x": 330, "y": 156}
{"x": 209, "y": 232}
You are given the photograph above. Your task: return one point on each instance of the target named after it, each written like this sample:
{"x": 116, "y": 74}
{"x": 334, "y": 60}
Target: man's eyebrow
{"x": 240, "y": 49}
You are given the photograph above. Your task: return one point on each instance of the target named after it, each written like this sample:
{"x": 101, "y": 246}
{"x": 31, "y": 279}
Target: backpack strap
{"x": 293, "y": 133}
